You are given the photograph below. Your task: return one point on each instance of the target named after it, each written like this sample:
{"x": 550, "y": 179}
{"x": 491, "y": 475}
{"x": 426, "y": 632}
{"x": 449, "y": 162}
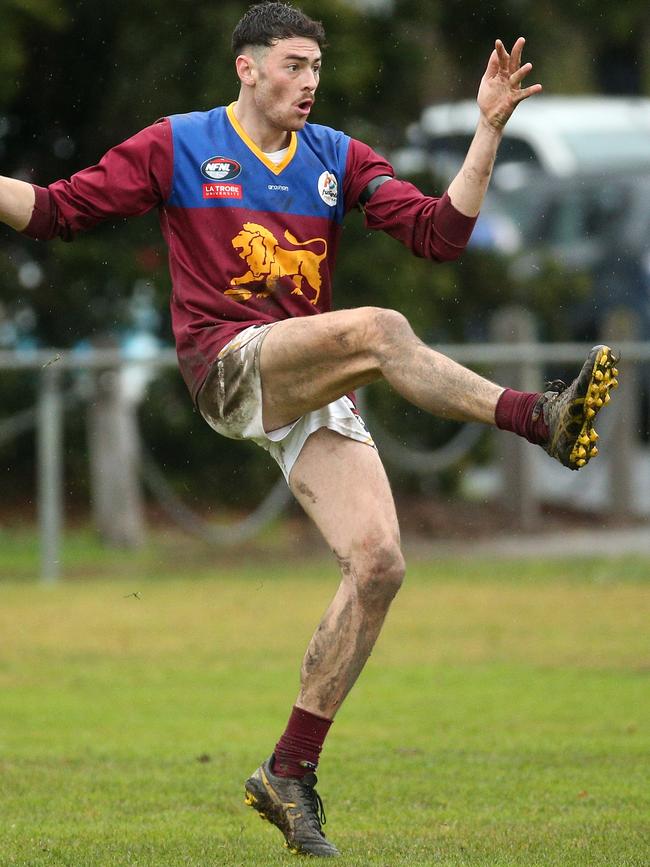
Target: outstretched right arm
{"x": 130, "y": 179}
{"x": 16, "y": 203}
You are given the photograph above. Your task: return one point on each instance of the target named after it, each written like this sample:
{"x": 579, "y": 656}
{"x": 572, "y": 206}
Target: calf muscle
{"x": 342, "y": 486}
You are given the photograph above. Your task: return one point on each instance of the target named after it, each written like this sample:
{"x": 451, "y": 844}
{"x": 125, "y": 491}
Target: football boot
{"x": 294, "y": 806}
{"x": 569, "y": 411}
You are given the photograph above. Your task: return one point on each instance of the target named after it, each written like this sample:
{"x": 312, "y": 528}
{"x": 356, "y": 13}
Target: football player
{"x": 251, "y": 197}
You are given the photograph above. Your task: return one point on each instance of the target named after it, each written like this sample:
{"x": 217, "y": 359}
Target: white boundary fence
{"x": 516, "y": 360}
{"x": 118, "y": 478}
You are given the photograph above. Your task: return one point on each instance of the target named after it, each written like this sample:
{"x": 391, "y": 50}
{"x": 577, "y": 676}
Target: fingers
{"x": 518, "y": 76}
{"x": 517, "y": 49}
{"x": 510, "y": 65}
{"x": 502, "y": 55}
{"x": 509, "y": 62}
{"x": 525, "y": 92}
{"x": 516, "y": 79}
{"x": 493, "y": 64}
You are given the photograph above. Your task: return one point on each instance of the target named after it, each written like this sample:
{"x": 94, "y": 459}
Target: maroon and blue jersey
{"x": 250, "y": 241}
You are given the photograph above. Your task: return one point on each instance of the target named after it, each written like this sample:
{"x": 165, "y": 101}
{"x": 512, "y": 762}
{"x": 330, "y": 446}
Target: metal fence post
{"x": 50, "y": 472}
{"x": 517, "y": 325}
{"x": 114, "y": 451}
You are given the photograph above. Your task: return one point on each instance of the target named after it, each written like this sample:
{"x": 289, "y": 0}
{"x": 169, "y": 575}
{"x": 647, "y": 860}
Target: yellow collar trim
{"x": 262, "y": 157}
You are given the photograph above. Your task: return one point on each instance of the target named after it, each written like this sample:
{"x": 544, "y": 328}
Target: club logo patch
{"x": 328, "y": 188}
{"x": 220, "y": 169}
{"x": 272, "y": 264}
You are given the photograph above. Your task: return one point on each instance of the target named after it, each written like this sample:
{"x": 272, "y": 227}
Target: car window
{"x": 609, "y": 148}
{"x": 511, "y": 149}
{"x": 571, "y": 216}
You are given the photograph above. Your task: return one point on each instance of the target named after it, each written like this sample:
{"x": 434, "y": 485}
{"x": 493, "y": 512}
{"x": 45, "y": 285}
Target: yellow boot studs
{"x": 569, "y": 411}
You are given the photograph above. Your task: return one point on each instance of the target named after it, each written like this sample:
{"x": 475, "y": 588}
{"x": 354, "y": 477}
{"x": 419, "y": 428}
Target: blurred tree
{"x": 18, "y": 19}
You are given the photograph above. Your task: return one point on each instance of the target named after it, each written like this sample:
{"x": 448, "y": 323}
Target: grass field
{"x": 503, "y": 718}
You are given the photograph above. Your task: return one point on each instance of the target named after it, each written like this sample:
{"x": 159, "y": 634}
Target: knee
{"x": 390, "y": 330}
{"x": 379, "y": 574}
{"x": 370, "y": 330}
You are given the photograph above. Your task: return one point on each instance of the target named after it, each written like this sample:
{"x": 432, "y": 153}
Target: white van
{"x": 558, "y": 135}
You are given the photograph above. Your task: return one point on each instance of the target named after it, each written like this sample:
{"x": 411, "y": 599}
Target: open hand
{"x": 500, "y": 91}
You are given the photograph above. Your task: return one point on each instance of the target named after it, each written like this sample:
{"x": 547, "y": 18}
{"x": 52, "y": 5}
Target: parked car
{"x": 597, "y": 224}
{"x": 571, "y": 186}
{"x": 558, "y": 135}
{"x": 571, "y": 183}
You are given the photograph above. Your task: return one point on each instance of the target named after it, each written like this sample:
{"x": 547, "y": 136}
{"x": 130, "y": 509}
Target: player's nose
{"x": 311, "y": 80}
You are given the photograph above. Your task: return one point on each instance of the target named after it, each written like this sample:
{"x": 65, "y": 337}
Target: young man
{"x": 251, "y": 200}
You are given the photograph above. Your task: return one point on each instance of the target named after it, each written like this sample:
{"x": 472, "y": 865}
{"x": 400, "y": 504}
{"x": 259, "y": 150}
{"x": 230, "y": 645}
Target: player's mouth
{"x": 304, "y": 107}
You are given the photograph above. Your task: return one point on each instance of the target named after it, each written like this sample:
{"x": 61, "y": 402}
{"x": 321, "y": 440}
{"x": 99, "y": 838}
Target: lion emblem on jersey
{"x": 268, "y": 261}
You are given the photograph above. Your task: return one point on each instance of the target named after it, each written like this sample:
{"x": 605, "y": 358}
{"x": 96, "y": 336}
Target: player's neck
{"x": 266, "y": 137}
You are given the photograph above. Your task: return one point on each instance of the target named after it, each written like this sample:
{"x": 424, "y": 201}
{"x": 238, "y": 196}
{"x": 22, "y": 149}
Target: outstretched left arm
{"x": 500, "y": 92}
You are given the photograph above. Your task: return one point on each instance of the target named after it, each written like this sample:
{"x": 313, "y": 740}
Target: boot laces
{"x": 555, "y": 385}
{"x": 551, "y": 391}
{"x": 315, "y": 808}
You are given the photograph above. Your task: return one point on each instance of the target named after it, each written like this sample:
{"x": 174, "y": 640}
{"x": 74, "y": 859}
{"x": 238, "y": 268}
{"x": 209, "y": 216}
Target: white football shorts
{"x": 230, "y": 401}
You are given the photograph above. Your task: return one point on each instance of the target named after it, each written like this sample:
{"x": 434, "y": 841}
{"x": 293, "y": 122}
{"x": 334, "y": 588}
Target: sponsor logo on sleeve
{"x": 328, "y": 188}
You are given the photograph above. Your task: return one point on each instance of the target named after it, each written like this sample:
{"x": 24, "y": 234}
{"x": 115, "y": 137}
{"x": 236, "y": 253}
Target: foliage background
{"x": 77, "y": 76}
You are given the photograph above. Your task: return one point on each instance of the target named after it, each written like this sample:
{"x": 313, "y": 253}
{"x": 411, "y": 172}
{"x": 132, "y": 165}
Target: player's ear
{"x": 247, "y": 70}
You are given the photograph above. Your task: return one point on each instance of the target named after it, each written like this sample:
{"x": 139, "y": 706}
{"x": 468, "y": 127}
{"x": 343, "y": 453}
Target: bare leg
{"x": 342, "y": 486}
{"x": 308, "y": 362}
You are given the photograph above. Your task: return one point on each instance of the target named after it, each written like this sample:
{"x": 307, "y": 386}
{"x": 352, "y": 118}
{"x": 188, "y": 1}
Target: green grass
{"x": 502, "y": 720}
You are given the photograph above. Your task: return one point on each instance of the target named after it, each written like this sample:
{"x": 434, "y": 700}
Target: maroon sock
{"x": 297, "y": 751}
{"x": 514, "y": 412}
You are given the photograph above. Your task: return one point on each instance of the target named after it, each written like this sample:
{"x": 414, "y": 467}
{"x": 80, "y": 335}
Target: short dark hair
{"x": 266, "y": 23}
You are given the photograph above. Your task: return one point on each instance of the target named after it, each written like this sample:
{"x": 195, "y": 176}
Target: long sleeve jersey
{"x": 250, "y": 241}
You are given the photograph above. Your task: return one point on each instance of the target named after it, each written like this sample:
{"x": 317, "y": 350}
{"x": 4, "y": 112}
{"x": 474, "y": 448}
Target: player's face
{"x": 287, "y": 79}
